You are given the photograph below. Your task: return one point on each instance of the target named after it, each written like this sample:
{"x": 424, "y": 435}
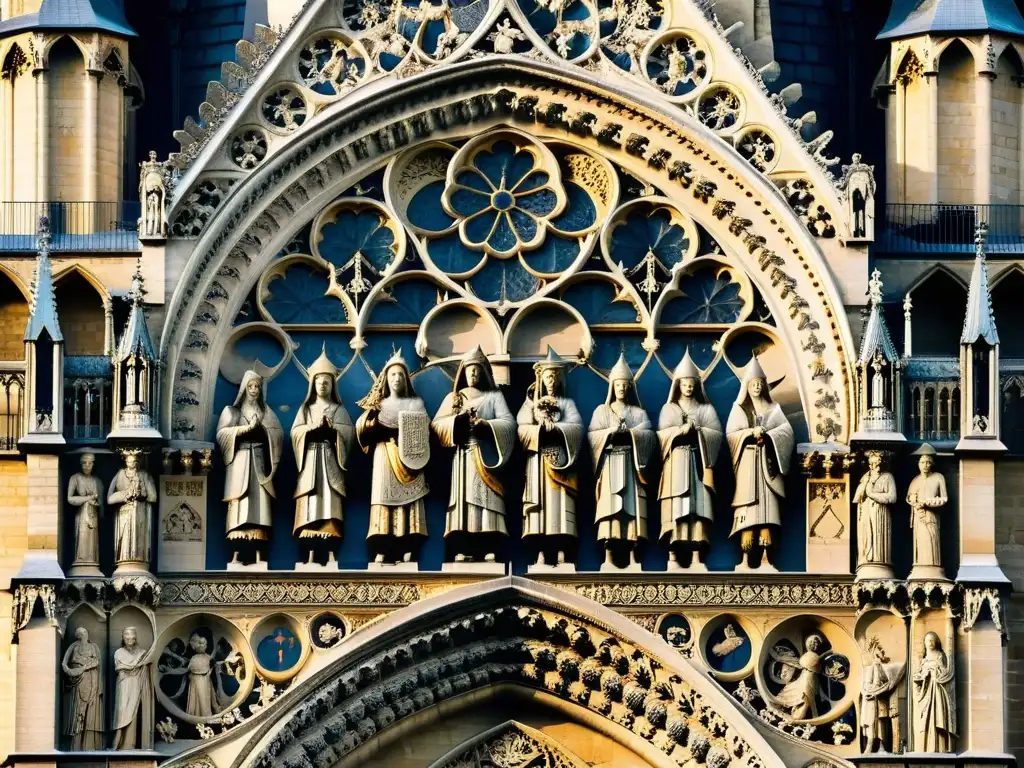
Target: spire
{"x": 980, "y": 321}
{"x": 909, "y": 18}
{"x": 136, "y": 340}
{"x": 876, "y": 340}
{"x": 43, "y": 315}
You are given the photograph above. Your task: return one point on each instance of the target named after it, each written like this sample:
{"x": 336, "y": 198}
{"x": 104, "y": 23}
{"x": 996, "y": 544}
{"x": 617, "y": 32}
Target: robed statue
{"x": 622, "y": 444}
{"x": 551, "y": 433}
{"x": 761, "y": 443}
{"x": 475, "y": 420}
{"x": 83, "y": 694}
{"x": 690, "y": 435}
{"x": 133, "y": 697}
{"x": 395, "y": 427}
{"x": 874, "y": 498}
{"x": 934, "y": 703}
{"x": 879, "y": 710}
{"x": 134, "y": 492}
{"x": 322, "y": 437}
{"x": 85, "y": 494}
{"x": 926, "y": 496}
{"x": 250, "y": 439}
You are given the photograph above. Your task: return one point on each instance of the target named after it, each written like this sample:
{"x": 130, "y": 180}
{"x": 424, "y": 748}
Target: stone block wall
{"x": 81, "y": 316}
{"x": 13, "y": 319}
{"x": 1010, "y": 550}
{"x": 956, "y": 126}
{"x": 110, "y": 141}
{"x": 1006, "y": 109}
{"x": 13, "y": 545}
{"x": 67, "y": 128}
{"x": 24, "y": 130}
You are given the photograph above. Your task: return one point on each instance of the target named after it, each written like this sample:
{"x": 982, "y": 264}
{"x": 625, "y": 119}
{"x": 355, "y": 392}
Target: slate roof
{"x": 136, "y": 339}
{"x": 908, "y": 18}
{"x": 43, "y": 314}
{"x": 97, "y": 15}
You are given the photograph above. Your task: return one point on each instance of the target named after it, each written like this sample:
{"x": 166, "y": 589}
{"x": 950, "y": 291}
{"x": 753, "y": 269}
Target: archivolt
{"x": 696, "y": 169}
{"x": 636, "y": 687}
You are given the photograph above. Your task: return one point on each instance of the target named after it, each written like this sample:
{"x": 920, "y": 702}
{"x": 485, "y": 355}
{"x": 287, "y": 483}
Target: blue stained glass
{"x": 465, "y": 202}
{"x": 707, "y": 299}
{"x": 525, "y": 225}
{"x": 619, "y": 58}
{"x": 729, "y": 652}
{"x": 580, "y": 211}
{"x": 298, "y": 297}
{"x": 407, "y": 27}
{"x": 260, "y": 345}
{"x": 504, "y": 161}
{"x": 425, "y": 209}
{"x": 433, "y": 31}
{"x": 608, "y": 346}
{"x": 742, "y": 346}
{"x": 412, "y": 300}
{"x": 473, "y": 179}
{"x": 503, "y": 239}
{"x": 381, "y": 345}
{"x": 595, "y": 301}
{"x": 501, "y": 278}
{"x": 450, "y": 255}
{"x": 532, "y": 181}
{"x": 363, "y": 231}
{"x": 575, "y": 11}
{"x": 672, "y": 347}
{"x": 388, "y": 61}
{"x": 539, "y": 203}
{"x": 311, "y": 344}
{"x": 642, "y": 232}
{"x": 503, "y": 200}
{"x": 554, "y": 256}
{"x": 479, "y": 228}
{"x": 280, "y": 650}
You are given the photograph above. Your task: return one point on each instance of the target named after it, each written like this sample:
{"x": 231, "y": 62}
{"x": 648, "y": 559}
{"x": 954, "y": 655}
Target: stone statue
{"x": 858, "y": 184}
{"x": 622, "y": 444}
{"x": 395, "y": 426}
{"x": 875, "y": 494}
{"x": 153, "y": 196}
{"x": 761, "y": 445}
{"x": 934, "y": 708}
{"x": 85, "y": 492}
{"x": 83, "y": 693}
{"x": 551, "y": 433}
{"x": 133, "y": 488}
{"x": 133, "y": 698}
{"x": 475, "y": 420}
{"x": 200, "y": 676}
{"x": 926, "y": 495}
{"x": 691, "y": 436}
{"x": 799, "y": 677}
{"x": 878, "y": 684}
{"x": 250, "y": 439}
{"x": 322, "y": 437}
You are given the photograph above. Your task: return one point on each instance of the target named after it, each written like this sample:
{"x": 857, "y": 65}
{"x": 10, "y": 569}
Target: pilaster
{"x": 42, "y": 134}
{"x": 932, "y": 80}
{"x": 983, "y": 724}
{"x": 90, "y": 144}
{"x": 37, "y": 684}
{"x": 977, "y": 522}
{"x": 983, "y": 137}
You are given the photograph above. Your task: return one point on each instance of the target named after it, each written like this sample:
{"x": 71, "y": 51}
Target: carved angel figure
{"x": 475, "y": 420}
{"x": 83, "y": 695}
{"x": 622, "y": 444}
{"x": 800, "y": 676}
{"x": 134, "y": 490}
{"x": 761, "y": 444}
{"x": 396, "y": 427}
{"x": 250, "y": 439}
{"x": 551, "y": 433}
{"x": 934, "y": 710}
{"x": 691, "y": 436}
{"x": 879, "y": 681}
{"x": 133, "y": 698}
{"x": 730, "y": 643}
{"x": 321, "y": 437}
{"x": 201, "y": 677}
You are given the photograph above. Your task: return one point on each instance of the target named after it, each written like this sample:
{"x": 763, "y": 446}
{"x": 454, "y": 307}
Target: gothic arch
{"x": 698, "y": 171}
{"x": 505, "y": 737}
{"x": 577, "y": 655}
{"x": 90, "y": 278}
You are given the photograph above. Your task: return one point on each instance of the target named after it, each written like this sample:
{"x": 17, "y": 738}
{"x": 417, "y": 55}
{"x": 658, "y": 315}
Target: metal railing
{"x": 87, "y": 405}
{"x": 74, "y": 226}
{"x": 12, "y": 405}
{"x": 911, "y": 228}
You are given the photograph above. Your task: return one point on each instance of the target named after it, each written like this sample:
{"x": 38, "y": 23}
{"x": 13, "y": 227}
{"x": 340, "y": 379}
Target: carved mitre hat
{"x": 687, "y": 369}
{"x": 552, "y": 362}
{"x": 621, "y": 372}
{"x": 926, "y": 449}
{"x": 396, "y": 359}
{"x": 475, "y": 356}
{"x": 322, "y": 365}
{"x": 248, "y": 376}
{"x": 751, "y": 372}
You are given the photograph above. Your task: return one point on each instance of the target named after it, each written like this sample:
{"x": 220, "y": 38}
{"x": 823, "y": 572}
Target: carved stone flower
{"x": 504, "y": 197}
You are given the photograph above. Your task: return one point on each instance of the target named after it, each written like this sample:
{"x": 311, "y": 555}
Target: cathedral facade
{"x": 513, "y": 383}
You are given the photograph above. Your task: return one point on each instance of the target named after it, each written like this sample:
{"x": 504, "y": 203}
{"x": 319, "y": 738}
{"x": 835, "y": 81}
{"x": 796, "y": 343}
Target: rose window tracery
{"x": 679, "y": 66}
{"x": 248, "y": 148}
{"x": 331, "y": 65}
{"x": 720, "y": 108}
{"x": 284, "y": 109}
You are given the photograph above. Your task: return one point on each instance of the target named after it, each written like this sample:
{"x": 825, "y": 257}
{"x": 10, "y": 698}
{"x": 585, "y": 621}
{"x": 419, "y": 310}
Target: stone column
{"x": 42, "y": 135}
{"x": 43, "y": 503}
{"x": 37, "y": 684}
{"x": 932, "y": 78}
{"x": 90, "y": 145}
{"x": 983, "y": 138}
{"x": 978, "y": 521}
{"x": 7, "y": 120}
{"x": 983, "y": 723}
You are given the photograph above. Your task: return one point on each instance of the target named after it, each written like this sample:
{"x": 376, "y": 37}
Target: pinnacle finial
{"x": 875, "y": 288}
{"x": 138, "y": 289}
{"x": 43, "y": 235}
{"x": 980, "y": 235}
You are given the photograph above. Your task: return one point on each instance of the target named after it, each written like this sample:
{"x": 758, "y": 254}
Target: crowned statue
{"x": 134, "y": 493}
{"x": 322, "y": 436}
{"x": 623, "y": 444}
{"x": 926, "y": 496}
{"x": 761, "y": 443}
{"x": 551, "y": 433}
{"x": 690, "y": 435}
{"x": 395, "y": 427}
{"x": 475, "y": 420}
{"x": 250, "y": 439}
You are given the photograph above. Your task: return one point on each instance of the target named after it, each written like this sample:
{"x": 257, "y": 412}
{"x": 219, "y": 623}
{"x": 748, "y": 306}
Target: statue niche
{"x": 134, "y": 493}
{"x": 926, "y": 496}
{"x": 83, "y": 693}
{"x": 85, "y": 494}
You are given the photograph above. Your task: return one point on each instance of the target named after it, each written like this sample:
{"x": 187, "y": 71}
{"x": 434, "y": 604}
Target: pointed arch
{"x": 1006, "y": 289}
{"x": 939, "y": 300}
{"x": 83, "y": 304}
{"x": 510, "y": 737}
{"x": 571, "y": 652}
{"x": 14, "y": 306}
